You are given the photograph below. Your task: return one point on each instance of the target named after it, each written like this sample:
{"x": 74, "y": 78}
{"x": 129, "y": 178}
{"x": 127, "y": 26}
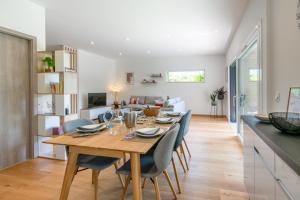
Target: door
{"x": 232, "y": 79}
{"x": 14, "y": 100}
{"x": 249, "y": 82}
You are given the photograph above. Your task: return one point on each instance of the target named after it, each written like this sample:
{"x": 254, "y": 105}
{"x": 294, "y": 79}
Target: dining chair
{"x": 178, "y": 145}
{"x": 154, "y": 163}
{"x": 95, "y": 163}
{"x": 186, "y": 130}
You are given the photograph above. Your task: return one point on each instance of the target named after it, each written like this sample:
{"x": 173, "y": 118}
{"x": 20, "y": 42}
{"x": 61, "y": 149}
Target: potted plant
{"x": 50, "y": 64}
{"x": 213, "y": 98}
{"x": 221, "y": 93}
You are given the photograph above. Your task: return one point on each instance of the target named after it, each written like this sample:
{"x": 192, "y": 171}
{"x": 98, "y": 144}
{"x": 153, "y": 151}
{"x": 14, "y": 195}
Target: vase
{"x": 214, "y": 103}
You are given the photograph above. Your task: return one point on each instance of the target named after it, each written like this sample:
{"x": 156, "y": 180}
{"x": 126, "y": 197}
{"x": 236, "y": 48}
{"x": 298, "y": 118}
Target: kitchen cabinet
{"x": 264, "y": 182}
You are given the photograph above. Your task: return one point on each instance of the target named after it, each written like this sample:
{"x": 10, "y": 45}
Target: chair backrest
{"x": 164, "y": 150}
{"x": 180, "y": 135}
{"x": 71, "y": 126}
{"x": 187, "y": 123}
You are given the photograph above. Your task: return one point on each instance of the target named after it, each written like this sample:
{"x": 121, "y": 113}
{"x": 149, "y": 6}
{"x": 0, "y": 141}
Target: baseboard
{"x": 206, "y": 115}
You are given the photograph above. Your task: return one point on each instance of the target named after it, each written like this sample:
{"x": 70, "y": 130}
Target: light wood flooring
{"x": 216, "y": 172}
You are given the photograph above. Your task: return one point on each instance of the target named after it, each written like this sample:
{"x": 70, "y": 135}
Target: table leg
{"x": 136, "y": 176}
{"x": 69, "y": 174}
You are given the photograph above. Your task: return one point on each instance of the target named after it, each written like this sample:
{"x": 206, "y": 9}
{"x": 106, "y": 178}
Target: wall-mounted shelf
{"x": 145, "y": 81}
{"x": 159, "y": 75}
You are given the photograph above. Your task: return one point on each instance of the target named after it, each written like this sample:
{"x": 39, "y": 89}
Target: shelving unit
{"x": 57, "y": 96}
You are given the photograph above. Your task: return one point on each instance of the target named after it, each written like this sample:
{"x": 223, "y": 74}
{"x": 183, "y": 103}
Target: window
{"x": 253, "y": 74}
{"x": 197, "y": 76}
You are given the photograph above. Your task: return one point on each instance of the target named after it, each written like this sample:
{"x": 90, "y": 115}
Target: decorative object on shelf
{"x": 50, "y": 64}
{"x": 298, "y": 15}
{"x": 286, "y": 122}
{"x": 294, "y": 100}
{"x": 57, "y": 131}
{"x": 145, "y": 81}
{"x": 130, "y": 78}
{"x": 152, "y": 111}
{"x": 156, "y": 75}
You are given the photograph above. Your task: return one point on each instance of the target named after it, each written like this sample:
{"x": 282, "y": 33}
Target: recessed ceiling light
{"x": 120, "y": 54}
{"x": 148, "y": 52}
{"x": 92, "y": 43}
{"x": 127, "y": 39}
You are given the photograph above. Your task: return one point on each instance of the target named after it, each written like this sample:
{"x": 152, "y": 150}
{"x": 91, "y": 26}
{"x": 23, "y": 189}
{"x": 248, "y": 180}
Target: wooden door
{"x": 14, "y": 100}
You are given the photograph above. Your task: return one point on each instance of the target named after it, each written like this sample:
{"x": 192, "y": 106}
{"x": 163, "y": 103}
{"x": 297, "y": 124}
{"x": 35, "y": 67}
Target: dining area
{"x": 139, "y": 148}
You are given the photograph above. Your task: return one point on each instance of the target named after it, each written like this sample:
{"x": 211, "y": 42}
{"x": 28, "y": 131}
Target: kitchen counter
{"x": 287, "y": 147}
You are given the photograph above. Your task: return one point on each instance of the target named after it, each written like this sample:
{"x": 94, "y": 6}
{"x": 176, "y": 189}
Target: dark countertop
{"x": 287, "y": 147}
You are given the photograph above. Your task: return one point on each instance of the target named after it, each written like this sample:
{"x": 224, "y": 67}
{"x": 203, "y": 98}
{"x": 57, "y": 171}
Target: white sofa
{"x": 175, "y": 105}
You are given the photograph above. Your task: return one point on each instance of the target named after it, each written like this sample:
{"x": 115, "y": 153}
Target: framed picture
{"x": 294, "y": 100}
{"x": 130, "y": 78}
{"x": 298, "y": 14}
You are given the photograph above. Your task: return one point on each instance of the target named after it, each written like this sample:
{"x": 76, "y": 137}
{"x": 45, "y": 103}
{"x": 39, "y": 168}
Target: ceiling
{"x": 143, "y": 28}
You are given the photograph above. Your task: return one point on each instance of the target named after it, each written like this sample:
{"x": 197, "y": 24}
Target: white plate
{"x": 147, "y": 131}
{"x": 164, "y": 120}
{"x": 92, "y": 126}
{"x": 102, "y": 127}
{"x": 150, "y": 136}
{"x": 174, "y": 114}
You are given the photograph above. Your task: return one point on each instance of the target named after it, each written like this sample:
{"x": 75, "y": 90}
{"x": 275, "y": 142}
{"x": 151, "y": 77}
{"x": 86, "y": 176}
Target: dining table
{"x": 111, "y": 142}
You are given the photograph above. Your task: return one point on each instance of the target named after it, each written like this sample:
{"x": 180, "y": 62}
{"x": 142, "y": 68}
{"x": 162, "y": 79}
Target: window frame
{"x": 190, "y": 70}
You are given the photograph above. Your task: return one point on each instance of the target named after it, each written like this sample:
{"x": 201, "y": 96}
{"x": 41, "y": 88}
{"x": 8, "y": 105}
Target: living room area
{"x": 136, "y": 99}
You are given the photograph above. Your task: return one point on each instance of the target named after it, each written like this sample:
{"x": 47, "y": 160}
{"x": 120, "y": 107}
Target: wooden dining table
{"x": 110, "y": 142}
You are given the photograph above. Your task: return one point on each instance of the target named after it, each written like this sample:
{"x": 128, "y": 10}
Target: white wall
{"x": 24, "y": 16}
{"x": 284, "y": 52}
{"x": 96, "y": 74}
{"x": 196, "y": 95}
{"x": 256, "y": 13}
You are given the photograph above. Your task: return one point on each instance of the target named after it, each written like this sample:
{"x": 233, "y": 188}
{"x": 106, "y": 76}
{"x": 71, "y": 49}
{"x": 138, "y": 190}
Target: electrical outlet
{"x": 277, "y": 97}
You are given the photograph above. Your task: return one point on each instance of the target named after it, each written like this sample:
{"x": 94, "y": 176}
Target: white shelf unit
{"x": 57, "y": 97}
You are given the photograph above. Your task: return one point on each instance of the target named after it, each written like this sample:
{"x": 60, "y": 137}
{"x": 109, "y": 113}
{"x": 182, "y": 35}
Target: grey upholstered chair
{"x": 178, "y": 145}
{"x": 95, "y": 163}
{"x": 186, "y": 130}
{"x": 154, "y": 163}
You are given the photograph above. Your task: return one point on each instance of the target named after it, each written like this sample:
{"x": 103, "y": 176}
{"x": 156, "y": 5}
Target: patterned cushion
{"x": 152, "y": 99}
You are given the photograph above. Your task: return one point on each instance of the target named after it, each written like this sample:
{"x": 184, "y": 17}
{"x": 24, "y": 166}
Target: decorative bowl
{"x": 286, "y": 122}
{"x": 263, "y": 118}
{"x": 152, "y": 111}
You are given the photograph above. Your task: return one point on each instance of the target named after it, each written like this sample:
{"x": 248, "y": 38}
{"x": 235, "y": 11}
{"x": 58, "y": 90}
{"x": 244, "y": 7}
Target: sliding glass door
{"x": 249, "y": 82}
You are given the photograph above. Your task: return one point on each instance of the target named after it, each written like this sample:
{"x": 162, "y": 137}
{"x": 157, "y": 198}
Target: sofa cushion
{"x": 141, "y": 99}
{"x": 151, "y": 99}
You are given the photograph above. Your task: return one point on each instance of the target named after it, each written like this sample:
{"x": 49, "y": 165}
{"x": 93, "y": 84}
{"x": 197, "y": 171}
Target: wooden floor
{"x": 216, "y": 172}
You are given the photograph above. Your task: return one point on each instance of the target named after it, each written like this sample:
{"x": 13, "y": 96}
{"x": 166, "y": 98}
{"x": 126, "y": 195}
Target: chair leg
{"x": 187, "y": 148}
{"x": 120, "y": 178}
{"x": 177, "y": 152}
{"x": 156, "y": 187}
{"x": 144, "y": 183}
{"x": 95, "y": 180}
{"x": 170, "y": 183}
{"x": 176, "y": 176}
{"x": 125, "y": 188}
{"x": 94, "y": 172}
{"x": 187, "y": 166}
